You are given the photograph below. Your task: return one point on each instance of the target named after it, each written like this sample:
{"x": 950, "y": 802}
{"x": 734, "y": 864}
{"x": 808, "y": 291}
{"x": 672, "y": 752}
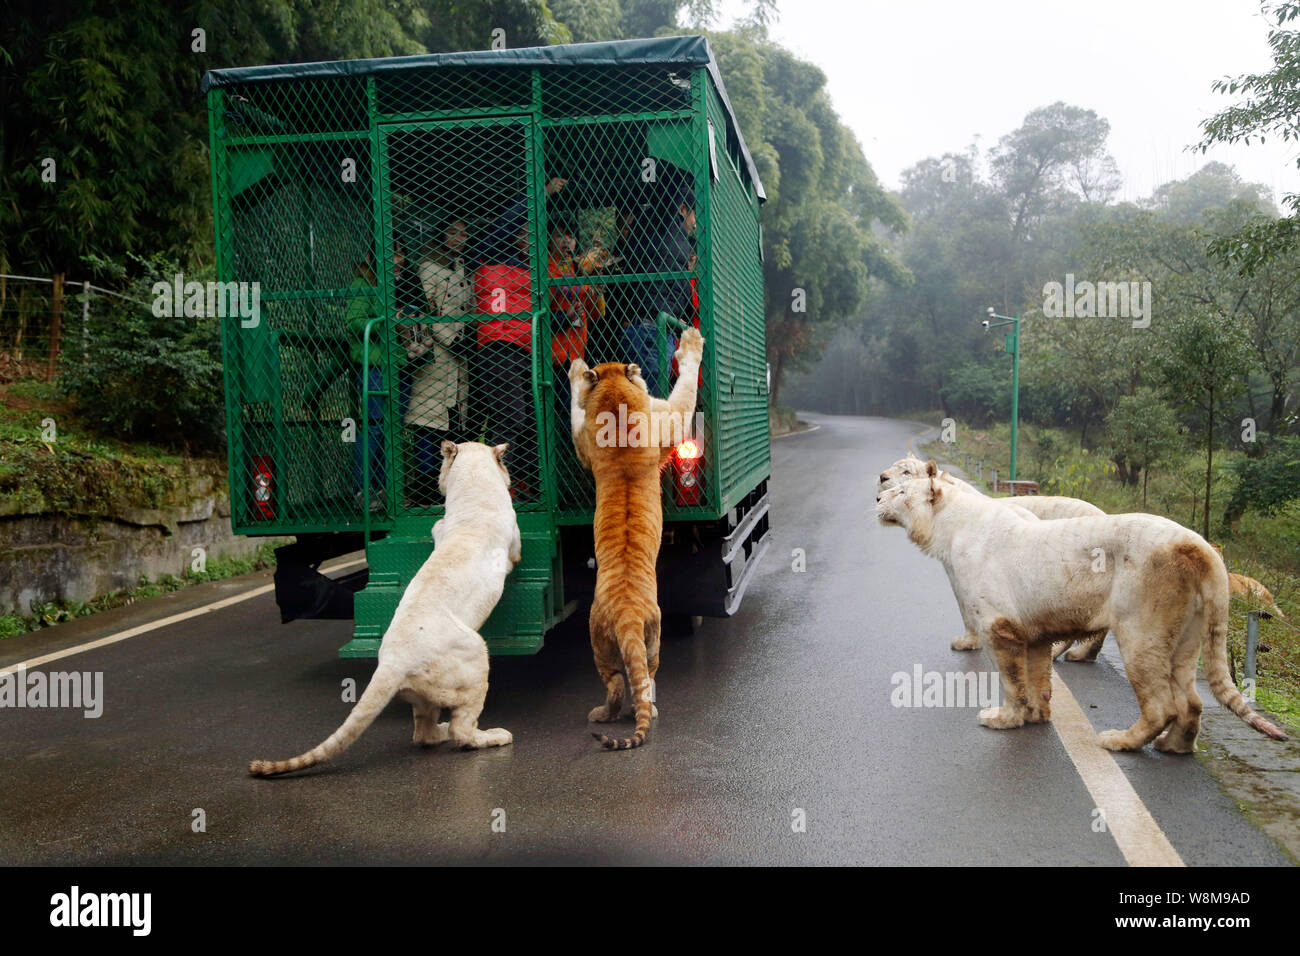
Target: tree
{"x": 1185, "y": 202}
{"x": 1058, "y": 149}
{"x": 112, "y": 102}
{"x": 1201, "y": 359}
{"x": 977, "y": 392}
{"x": 1093, "y": 361}
{"x": 1271, "y": 108}
{"x": 1177, "y": 259}
{"x": 825, "y": 206}
{"x": 1142, "y": 433}
{"x": 144, "y": 377}
{"x": 453, "y": 25}
{"x": 1266, "y": 484}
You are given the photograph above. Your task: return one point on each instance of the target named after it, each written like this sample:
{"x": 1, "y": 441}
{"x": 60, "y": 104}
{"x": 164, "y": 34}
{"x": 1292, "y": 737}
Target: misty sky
{"x": 919, "y": 79}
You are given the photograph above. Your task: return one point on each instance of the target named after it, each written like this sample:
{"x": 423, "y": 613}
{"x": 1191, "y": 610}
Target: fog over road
{"x": 785, "y": 707}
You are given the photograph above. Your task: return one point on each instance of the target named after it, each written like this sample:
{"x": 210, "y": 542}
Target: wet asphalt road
{"x": 784, "y": 707}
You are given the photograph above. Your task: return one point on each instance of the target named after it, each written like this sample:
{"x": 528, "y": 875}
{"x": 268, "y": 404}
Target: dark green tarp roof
{"x": 675, "y": 51}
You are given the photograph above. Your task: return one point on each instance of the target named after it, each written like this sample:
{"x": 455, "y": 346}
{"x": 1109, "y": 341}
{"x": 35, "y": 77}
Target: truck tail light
{"x": 263, "y": 489}
{"x": 688, "y": 460}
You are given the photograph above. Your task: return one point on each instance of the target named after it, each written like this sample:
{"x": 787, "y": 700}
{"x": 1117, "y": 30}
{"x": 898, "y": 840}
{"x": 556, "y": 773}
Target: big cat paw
{"x": 577, "y": 369}
{"x": 690, "y": 347}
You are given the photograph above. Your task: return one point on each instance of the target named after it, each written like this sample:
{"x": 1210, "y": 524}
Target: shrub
{"x": 1266, "y": 484}
{"x": 977, "y": 393}
{"x": 141, "y": 377}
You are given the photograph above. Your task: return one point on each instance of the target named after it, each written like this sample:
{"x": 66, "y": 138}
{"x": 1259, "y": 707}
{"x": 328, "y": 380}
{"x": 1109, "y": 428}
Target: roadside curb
{"x": 94, "y": 627}
{"x": 797, "y": 431}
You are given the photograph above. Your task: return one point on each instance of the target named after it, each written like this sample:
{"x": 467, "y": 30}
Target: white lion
{"x": 1046, "y": 507}
{"x": 432, "y": 655}
{"x": 1158, "y": 586}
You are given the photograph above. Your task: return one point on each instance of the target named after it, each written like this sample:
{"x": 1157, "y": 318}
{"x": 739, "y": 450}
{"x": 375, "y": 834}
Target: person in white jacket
{"x": 440, "y": 376}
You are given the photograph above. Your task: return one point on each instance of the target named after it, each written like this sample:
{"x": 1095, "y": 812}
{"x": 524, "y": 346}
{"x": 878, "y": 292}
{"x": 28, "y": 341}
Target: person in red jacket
{"x": 503, "y": 367}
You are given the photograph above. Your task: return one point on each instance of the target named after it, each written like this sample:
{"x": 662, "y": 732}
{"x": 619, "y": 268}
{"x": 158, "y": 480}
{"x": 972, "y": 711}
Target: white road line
{"x": 1128, "y": 820}
{"x": 154, "y": 625}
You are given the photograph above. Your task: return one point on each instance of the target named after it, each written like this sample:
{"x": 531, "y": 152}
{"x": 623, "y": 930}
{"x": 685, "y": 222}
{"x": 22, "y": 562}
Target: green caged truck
{"x": 433, "y": 239}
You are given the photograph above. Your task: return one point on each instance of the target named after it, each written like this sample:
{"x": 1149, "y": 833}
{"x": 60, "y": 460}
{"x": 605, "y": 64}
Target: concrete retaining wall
{"x": 47, "y": 557}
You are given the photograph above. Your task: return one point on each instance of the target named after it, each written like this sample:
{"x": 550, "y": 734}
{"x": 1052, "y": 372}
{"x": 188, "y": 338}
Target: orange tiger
{"x": 624, "y": 436}
{"x": 1252, "y": 591}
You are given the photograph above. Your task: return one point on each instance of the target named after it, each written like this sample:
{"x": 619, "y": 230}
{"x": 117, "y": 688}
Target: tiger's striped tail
{"x": 382, "y": 688}
{"x": 630, "y": 631}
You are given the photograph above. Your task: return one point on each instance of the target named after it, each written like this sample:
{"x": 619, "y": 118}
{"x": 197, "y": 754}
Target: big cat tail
{"x": 631, "y": 644}
{"x": 1214, "y": 653}
{"x": 382, "y": 688}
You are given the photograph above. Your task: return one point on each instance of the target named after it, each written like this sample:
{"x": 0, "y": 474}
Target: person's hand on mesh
{"x": 418, "y": 346}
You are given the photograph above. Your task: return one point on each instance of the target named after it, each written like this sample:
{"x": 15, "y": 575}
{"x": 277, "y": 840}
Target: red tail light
{"x": 263, "y": 489}
{"x": 689, "y": 450}
{"x": 688, "y": 470}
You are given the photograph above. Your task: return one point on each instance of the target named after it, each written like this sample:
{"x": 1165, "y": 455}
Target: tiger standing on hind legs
{"x": 628, "y": 524}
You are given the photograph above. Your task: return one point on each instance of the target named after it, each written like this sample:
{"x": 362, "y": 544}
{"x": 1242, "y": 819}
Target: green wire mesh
{"x": 414, "y": 202}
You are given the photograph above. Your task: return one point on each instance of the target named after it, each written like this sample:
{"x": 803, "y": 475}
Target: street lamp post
{"x": 1012, "y": 344}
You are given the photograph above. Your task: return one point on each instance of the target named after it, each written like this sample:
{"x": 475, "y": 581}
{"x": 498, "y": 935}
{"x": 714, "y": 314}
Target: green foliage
{"x": 1267, "y": 485}
{"x": 140, "y": 375}
{"x": 1076, "y": 478}
{"x": 1142, "y": 433}
{"x": 1271, "y": 108}
{"x": 1198, "y": 356}
{"x": 1185, "y": 202}
{"x": 589, "y": 20}
{"x": 976, "y": 393}
{"x": 112, "y": 97}
{"x": 1058, "y": 152}
{"x": 977, "y": 242}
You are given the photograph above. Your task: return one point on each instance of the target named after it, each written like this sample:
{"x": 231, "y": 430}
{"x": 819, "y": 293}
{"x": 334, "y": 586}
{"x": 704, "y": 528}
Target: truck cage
{"x": 339, "y": 391}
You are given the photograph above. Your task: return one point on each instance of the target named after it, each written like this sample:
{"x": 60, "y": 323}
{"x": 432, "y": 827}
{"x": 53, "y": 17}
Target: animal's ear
{"x": 592, "y": 376}
{"x": 935, "y": 491}
{"x": 931, "y": 468}
{"x": 448, "y": 450}
{"x": 499, "y": 451}
{"x": 633, "y": 371}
